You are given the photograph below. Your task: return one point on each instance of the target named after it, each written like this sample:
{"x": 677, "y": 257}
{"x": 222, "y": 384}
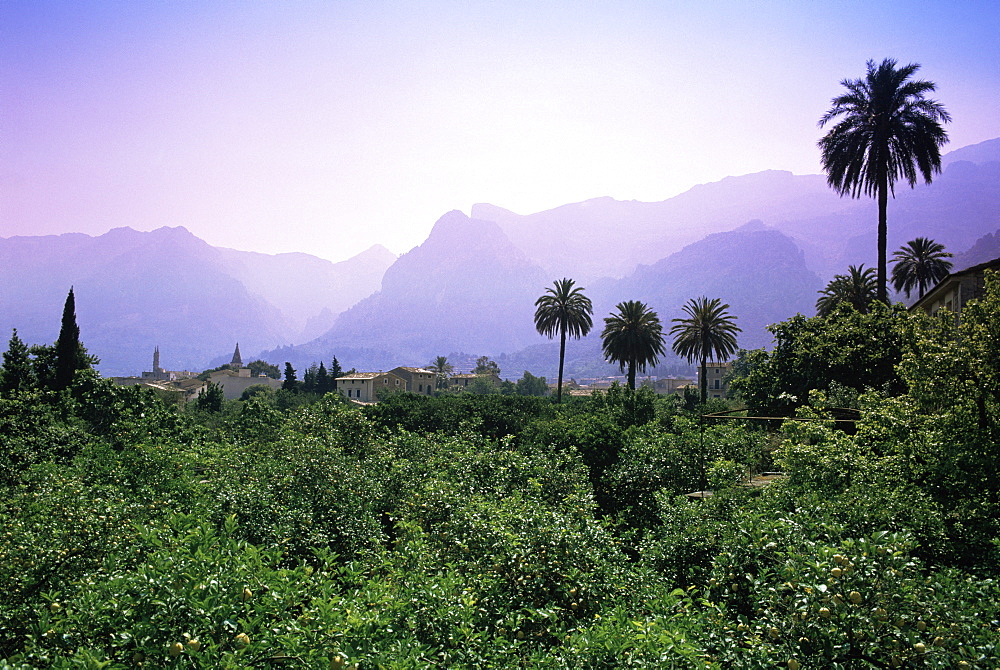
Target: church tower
{"x": 237, "y": 361}
{"x": 156, "y": 360}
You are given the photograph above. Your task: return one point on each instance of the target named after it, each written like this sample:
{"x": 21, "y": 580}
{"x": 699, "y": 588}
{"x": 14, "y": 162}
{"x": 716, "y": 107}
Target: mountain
{"x": 760, "y": 272}
{"x": 466, "y": 288}
{"x": 586, "y": 241}
{"x": 138, "y": 290}
{"x": 297, "y": 283}
{"x": 986, "y": 248}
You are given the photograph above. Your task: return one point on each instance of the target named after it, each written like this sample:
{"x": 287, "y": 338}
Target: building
{"x": 160, "y": 375}
{"x": 716, "y": 374}
{"x": 465, "y": 380}
{"x": 418, "y": 380}
{"x": 668, "y": 385}
{"x": 366, "y": 386}
{"x": 955, "y": 290}
{"x": 234, "y": 382}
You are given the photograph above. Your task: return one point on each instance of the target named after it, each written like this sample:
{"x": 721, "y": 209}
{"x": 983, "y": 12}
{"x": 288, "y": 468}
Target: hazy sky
{"x": 327, "y": 127}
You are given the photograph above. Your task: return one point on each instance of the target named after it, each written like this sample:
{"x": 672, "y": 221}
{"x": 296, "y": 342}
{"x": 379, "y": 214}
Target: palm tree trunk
{"x": 883, "y": 201}
{"x": 562, "y": 356}
{"x": 704, "y": 381}
{"x": 631, "y": 375}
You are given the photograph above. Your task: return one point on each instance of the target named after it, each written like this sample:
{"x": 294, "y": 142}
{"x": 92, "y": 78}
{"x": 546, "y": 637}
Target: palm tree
{"x": 709, "y": 331}
{"x": 887, "y": 130}
{"x": 441, "y": 367}
{"x": 919, "y": 264}
{"x": 633, "y": 338}
{"x": 858, "y": 287}
{"x": 564, "y": 310}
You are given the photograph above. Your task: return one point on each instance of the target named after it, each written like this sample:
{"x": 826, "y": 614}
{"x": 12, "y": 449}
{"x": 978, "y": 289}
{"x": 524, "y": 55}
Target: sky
{"x": 328, "y": 127}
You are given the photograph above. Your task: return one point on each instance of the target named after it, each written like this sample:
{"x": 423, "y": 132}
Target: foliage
{"x": 16, "y": 373}
{"x": 259, "y": 367}
{"x": 855, "y": 350}
{"x": 486, "y": 366}
{"x": 567, "y": 311}
{"x": 886, "y": 129}
{"x": 441, "y": 369}
{"x": 510, "y": 531}
{"x": 708, "y": 332}
{"x": 919, "y": 264}
{"x": 529, "y": 384}
{"x": 291, "y": 383}
{"x": 633, "y": 338}
{"x": 210, "y": 399}
{"x": 858, "y": 288}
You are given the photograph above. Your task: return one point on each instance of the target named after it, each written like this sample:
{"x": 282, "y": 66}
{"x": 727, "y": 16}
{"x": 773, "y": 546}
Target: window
{"x": 421, "y": 389}
{"x": 716, "y": 383}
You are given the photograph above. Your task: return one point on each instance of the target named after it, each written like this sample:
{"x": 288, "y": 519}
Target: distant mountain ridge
{"x": 764, "y": 243}
{"x": 138, "y": 290}
{"x": 467, "y": 287}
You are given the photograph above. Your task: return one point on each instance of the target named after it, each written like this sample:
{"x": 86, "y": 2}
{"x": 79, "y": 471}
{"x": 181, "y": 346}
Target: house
{"x": 955, "y": 290}
{"x": 668, "y": 385}
{"x": 365, "y": 386}
{"x": 418, "y": 380}
{"x": 465, "y": 380}
{"x": 235, "y": 382}
{"x": 716, "y": 374}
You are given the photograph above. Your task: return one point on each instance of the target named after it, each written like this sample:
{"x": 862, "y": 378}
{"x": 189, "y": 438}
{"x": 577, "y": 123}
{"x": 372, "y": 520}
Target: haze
{"x": 329, "y": 127}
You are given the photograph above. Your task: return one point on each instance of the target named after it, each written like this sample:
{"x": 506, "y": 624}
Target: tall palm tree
{"x": 887, "y": 130}
{"x": 633, "y": 338}
{"x": 858, "y": 287}
{"x": 564, "y": 310}
{"x": 709, "y": 331}
{"x": 919, "y": 264}
{"x": 441, "y": 367}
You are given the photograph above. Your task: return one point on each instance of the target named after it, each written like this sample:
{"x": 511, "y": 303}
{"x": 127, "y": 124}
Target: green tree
{"x": 633, "y": 338}
{"x": 335, "y": 372}
{"x": 441, "y": 368}
{"x": 708, "y": 331}
{"x": 70, "y": 355}
{"x": 210, "y": 400}
{"x": 886, "y": 130}
{"x": 848, "y": 348}
{"x": 290, "y": 383}
{"x": 485, "y": 366}
{"x": 919, "y": 264}
{"x": 17, "y": 373}
{"x": 259, "y": 367}
{"x": 564, "y": 310}
{"x": 858, "y": 288}
{"x": 322, "y": 380}
{"x": 309, "y": 378}
{"x": 529, "y": 384}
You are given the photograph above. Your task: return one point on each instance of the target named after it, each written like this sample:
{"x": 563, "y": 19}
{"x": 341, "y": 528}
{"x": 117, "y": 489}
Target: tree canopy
{"x": 885, "y": 129}
{"x": 565, "y": 311}
{"x": 858, "y": 288}
{"x": 633, "y": 338}
{"x": 708, "y": 332}
{"x": 919, "y": 264}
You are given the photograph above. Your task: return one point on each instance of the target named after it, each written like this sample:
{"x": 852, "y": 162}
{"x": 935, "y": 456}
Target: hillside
{"x": 167, "y": 288}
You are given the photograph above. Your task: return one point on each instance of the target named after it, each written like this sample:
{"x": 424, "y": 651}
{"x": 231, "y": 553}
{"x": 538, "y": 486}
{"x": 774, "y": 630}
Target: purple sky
{"x": 327, "y": 127}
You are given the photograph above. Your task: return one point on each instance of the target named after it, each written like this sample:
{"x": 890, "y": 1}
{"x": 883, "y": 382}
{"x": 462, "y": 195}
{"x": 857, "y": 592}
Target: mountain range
{"x": 764, "y": 243}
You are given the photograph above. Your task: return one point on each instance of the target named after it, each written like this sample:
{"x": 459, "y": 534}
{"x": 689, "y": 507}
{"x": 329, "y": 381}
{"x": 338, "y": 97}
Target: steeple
{"x": 156, "y": 359}
{"x": 237, "y": 361}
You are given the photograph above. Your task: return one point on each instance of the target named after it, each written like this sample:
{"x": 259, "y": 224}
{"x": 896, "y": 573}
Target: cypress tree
{"x": 70, "y": 355}
{"x": 335, "y": 371}
{"x": 322, "y": 380}
{"x": 16, "y": 373}
{"x": 290, "y": 383}
{"x": 309, "y": 379}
